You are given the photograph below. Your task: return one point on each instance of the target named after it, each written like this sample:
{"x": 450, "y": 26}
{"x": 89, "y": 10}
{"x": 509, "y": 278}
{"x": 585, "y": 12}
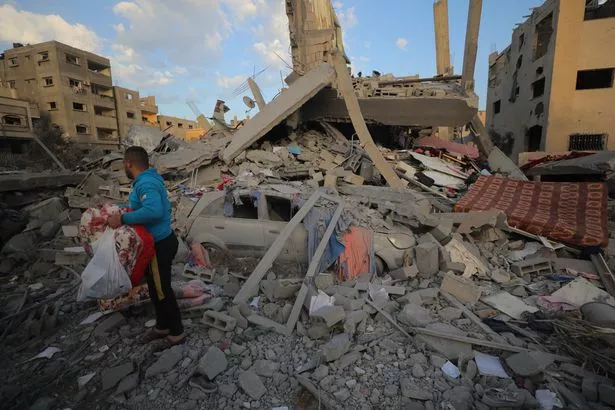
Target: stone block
{"x": 279, "y": 288}
{"x": 113, "y": 375}
{"x": 212, "y": 363}
{"x": 251, "y": 384}
{"x": 415, "y": 315}
{"x": 219, "y": 320}
{"x": 443, "y": 231}
{"x": 528, "y": 364}
{"x": 324, "y": 281}
{"x": 451, "y": 349}
{"x": 336, "y": 347}
{"x": 463, "y": 289}
{"x": 114, "y": 321}
{"x": 167, "y": 360}
{"x": 427, "y": 258}
{"x": 407, "y": 272}
{"x": 265, "y": 368}
{"x": 331, "y": 315}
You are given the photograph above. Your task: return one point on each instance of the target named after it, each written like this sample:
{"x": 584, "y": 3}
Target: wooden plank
{"x": 274, "y": 250}
{"x": 320, "y": 250}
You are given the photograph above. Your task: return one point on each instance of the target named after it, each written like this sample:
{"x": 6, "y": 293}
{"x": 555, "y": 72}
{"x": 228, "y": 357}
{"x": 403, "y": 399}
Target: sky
{"x": 202, "y": 50}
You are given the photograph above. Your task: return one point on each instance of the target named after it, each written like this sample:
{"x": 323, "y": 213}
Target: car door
{"x": 279, "y": 211}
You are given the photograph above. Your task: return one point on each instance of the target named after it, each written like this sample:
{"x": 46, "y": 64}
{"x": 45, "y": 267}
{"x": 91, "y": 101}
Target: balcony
{"x": 104, "y": 121}
{"x": 104, "y": 100}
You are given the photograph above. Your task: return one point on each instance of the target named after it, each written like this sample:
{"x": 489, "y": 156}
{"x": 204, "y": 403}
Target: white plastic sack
{"x": 104, "y": 277}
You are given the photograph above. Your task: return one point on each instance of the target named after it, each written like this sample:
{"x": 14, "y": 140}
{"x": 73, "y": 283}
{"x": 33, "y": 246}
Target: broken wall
{"x": 516, "y": 108}
{"x": 314, "y": 32}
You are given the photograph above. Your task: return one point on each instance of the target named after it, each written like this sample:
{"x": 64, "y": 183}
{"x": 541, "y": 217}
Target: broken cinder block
{"x": 427, "y": 258}
{"x": 537, "y": 266}
{"x": 219, "y": 320}
{"x": 330, "y": 314}
{"x": 406, "y": 272}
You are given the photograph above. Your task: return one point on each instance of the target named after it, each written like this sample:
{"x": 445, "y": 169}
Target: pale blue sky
{"x": 204, "y": 49}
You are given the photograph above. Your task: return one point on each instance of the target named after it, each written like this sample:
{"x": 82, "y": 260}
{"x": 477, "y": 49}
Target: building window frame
{"x": 13, "y": 120}
{"x": 43, "y": 56}
{"x": 53, "y": 106}
{"x": 71, "y": 59}
{"x": 12, "y": 84}
{"x": 82, "y": 129}
{"x": 13, "y": 62}
{"x": 588, "y": 142}
{"x": 130, "y": 115}
{"x": 76, "y": 105}
{"x": 585, "y": 83}
{"x": 497, "y": 107}
{"x": 48, "y": 81}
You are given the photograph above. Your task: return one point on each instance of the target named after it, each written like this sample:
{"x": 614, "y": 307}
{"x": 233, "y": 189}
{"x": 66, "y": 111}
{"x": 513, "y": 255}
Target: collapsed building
{"x": 341, "y": 273}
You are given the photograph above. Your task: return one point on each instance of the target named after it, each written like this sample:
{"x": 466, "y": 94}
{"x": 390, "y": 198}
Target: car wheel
{"x": 380, "y": 266}
{"x": 217, "y": 255}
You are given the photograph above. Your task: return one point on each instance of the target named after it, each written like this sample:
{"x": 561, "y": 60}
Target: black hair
{"x": 137, "y": 155}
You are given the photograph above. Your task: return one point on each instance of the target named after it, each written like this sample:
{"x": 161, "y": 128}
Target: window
{"x": 180, "y": 125}
{"x": 190, "y": 126}
{"x": 169, "y": 123}
{"x": 128, "y": 96}
{"x": 71, "y": 59}
{"x": 521, "y": 41}
{"x": 43, "y": 56}
{"x": 52, "y": 105}
{"x": 81, "y": 129}
{"x": 246, "y": 208}
{"x": 79, "y": 107}
{"x": 47, "y": 81}
{"x": 599, "y": 9}
{"x": 534, "y": 138}
{"x": 544, "y": 31}
{"x": 538, "y": 88}
{"x": 280, "y": 209}
{"x": 497, "y": 106}
{"x": 539, "y": 71}
{"x": 594, "y": 79}
{"x": 13, "y": 62}
{"x": 130, "y": 115}
{"x": 11, "y": 120}
{"x": 11, "y": 84}
{"x": 74, "y": 83}
{"x": 587, "y": 142}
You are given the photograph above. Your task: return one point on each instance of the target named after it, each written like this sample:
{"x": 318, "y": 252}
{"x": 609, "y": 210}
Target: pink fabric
{"x": 358, "y": 253}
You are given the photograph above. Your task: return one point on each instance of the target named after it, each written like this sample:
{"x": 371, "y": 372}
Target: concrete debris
{"x": 212, "y": 363}
{"x": 276, "y": 200}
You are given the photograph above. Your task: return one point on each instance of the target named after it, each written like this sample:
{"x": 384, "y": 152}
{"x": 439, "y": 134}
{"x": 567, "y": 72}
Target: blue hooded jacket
{"x": 150, "y": 205}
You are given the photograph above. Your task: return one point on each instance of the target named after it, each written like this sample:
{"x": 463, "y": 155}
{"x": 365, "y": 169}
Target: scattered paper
{"x": 529, "y": 249}
{"x": 92, "y": 318}
{"x": 580, "y": 291}
{"x": 83, "y": 380}
{"x": 548, "y": 400}
{"x": 47, "y": 353}
{"x": 489, "y": 365}
{"x": 255, "y": 301}
{"x": 319, "y": 301}
{"x": 450, "y": 370}
{"x": 150, "y": 323}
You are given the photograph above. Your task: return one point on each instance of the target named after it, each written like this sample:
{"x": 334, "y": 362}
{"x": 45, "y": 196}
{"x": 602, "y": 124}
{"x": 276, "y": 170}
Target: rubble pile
{"x": 473, "y": 314}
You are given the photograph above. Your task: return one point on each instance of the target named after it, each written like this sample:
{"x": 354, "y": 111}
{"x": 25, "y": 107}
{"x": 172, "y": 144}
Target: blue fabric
{"x": 316, "y": 222}
{"x": 150, "y": 205}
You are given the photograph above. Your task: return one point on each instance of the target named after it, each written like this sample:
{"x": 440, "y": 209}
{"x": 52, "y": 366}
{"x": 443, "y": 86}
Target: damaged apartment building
{"x": 552, "y": 89}
{"x": 76, "y": 88}
{"x": 396, "y": 109}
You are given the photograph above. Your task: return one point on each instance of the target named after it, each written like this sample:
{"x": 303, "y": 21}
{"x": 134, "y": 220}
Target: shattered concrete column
{"x": 440, "y": 21}
{"x": 471, "y": 46}
{"x": 344, "y": 86}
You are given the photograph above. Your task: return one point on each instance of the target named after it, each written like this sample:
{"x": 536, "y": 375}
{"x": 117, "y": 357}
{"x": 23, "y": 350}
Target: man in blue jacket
{"x": 151, "y": 208}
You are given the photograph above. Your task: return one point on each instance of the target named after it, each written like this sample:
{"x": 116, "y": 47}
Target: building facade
{"x": 73, "y": 85}
{"x": 179, "y": 127}
{"x": 16, "y": 121}
{"x": 552, "y": 88}
{"x": 133, "y": 109}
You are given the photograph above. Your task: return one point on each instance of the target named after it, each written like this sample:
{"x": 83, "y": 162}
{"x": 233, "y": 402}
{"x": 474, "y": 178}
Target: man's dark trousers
{"x": 158, "y": 279}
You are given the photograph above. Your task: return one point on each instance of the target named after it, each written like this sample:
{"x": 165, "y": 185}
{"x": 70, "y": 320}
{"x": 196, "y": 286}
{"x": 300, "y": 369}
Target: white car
{"x": 256, "y": 222}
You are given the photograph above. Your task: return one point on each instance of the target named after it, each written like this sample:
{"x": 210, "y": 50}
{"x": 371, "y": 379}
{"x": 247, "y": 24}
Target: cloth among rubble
{"x": 358, "y": 254}
{"x": 134, "y": 244}
{"x": 316, "y": 222}
{"x": 574, "y": 213}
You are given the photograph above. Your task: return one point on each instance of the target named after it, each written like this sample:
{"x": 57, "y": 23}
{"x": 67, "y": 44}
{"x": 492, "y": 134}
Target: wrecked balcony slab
{"x": 279, "y": 109}
{"x": 453, "y": 110}
{"x": 28, "y": 181}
